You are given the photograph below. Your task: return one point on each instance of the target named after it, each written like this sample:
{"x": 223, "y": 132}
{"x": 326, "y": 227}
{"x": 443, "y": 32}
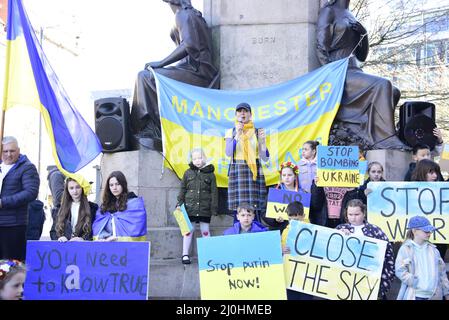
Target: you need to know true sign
{"x": 338, "y": 166}
{"x": 326, "y": 263}
{"x": 241, "y": 267}
{"x": 392, "y": 204}
{"x": 87, "y": 270}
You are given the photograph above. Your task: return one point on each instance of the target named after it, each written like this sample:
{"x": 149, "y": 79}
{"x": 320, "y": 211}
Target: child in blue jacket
{"x": 246, "y": 223}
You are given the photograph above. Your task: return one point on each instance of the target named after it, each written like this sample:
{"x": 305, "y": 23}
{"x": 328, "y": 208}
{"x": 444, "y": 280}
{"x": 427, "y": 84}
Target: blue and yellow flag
{"x": 128, "y": 225}
{"x": 246, "y": 266}
{"x": 182, "y": 218}
{"x": 291, "y": 113}
{"x": 279, "y": 199}
{"x": 30, "y": 81}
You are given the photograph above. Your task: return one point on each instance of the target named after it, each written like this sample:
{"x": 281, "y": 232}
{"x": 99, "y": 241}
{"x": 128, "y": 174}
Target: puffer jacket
{"x": 20, "y": 187}
{"x": 199, "y": 191}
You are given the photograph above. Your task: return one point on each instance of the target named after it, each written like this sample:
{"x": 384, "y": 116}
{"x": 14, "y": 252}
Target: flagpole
{"x": 5, "y": 93}
{"x": 2, "y": 128}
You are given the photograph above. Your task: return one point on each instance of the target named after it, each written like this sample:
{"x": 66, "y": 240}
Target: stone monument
{"x": 256, "y": 44}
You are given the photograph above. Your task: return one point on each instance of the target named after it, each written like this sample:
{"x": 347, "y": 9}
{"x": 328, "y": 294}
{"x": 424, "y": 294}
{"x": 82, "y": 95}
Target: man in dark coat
{"x": 19, "y": 186}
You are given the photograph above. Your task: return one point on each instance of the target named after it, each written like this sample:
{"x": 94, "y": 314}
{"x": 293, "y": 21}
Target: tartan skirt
{"x": 242, "y": 187}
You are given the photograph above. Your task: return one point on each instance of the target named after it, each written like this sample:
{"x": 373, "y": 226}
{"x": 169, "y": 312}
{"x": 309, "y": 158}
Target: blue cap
{"x": 421, "y": 223}
{"x": 243, "y": 105}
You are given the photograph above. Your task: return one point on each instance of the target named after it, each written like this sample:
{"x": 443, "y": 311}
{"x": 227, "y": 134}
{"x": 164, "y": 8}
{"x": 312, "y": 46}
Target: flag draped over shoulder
{"x": 291, "y": 113}
{"x": 30, "y": 81}
{"x": 128, "y": 225}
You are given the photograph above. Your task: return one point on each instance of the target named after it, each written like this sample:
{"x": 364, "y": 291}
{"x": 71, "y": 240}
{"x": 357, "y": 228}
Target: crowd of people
{"x": 121, "y": 216}
{"x": 419, "y": 264}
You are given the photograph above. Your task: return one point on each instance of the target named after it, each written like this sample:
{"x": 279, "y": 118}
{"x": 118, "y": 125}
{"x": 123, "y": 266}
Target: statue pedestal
{"x": 261, "y": 43}
{"x": 395, "y": 162}
{"x": 256, "y": 44}
{"x": 143, "y": 171}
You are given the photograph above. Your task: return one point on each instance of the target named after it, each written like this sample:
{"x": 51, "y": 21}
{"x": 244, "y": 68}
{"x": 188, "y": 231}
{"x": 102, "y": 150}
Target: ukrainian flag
{"x": 291, "y": 113}
{"x": 246, "y": 266}
{"x": 30, "y": 81}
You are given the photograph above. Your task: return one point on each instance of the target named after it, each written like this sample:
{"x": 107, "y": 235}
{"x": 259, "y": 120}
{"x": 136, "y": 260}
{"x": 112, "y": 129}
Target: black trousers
{"x": 13, "y": 242}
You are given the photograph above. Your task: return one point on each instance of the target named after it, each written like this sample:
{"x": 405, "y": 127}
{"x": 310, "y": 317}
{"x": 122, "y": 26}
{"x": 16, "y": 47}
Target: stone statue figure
{"x": 194, "y": 56}
{"x": 368, "y": 102}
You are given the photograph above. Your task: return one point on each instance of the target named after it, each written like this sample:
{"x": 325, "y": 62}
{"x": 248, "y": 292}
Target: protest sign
{"x": 241, "y": 267}
{"x": 444, "y": 158}
{"x": 185, "y": 226}
{"x": 278, "y": 201}
{"x": 326, "y": 263}
{"x": 338, "y": 166}
{"x": 87, "y": 270}
{"x": 363, "y": 167}
{"x": 392, "y": 204}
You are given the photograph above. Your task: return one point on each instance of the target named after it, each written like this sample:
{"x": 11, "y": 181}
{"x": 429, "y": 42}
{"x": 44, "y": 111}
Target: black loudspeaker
{"x": 416, "y": 123}
{"x": 112, "y": 123}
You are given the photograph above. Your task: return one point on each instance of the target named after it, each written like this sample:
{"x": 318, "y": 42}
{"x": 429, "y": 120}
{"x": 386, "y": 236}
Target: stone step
{"x": 170, "y": 279}
{"x": 166, "y": 243}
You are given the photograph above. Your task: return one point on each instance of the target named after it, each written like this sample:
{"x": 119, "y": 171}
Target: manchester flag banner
{"x": 392, "y": 204}
{"x": 30, "y": 81}
{"x": 241, "y": 267}
{"x": 326, "y": 263}
{"x": 291, "y": 113}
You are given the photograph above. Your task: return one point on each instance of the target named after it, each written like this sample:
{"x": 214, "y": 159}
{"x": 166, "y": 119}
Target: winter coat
{"x": 405, "y": 271}
{"x": 373, "y": 231}
{"x": 199, "y": 191}
{"x": 20, "y": 187}
{"x": 36, "y": 220}
{"x": 56, "y": 180}
{"x": 235, "y": 229}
